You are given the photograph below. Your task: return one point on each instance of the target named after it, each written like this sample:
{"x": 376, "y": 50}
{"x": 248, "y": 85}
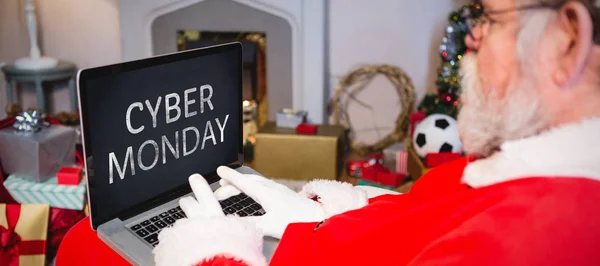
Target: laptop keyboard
{"x": 241, "y": 204}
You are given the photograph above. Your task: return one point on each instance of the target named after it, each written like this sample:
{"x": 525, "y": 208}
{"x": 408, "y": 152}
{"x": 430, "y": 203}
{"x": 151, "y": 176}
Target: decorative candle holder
{"x": 35, "y": 60}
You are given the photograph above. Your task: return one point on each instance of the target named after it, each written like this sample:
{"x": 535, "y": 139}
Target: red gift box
{"x": 389, "y": 178}
{"x": 306, "y": 129}
{"x": 69, "y": 176}
{"x": 435, "y": 159}
{"x": 370, "y": 173}
{"x": 415, "y": 118}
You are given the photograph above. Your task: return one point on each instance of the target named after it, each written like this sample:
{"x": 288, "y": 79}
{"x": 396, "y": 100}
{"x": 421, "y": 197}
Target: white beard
{"x": 485, "y": 121}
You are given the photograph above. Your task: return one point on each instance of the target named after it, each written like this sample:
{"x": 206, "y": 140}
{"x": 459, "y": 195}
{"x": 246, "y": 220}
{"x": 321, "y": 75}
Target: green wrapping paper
{"x": 48, "y": 192}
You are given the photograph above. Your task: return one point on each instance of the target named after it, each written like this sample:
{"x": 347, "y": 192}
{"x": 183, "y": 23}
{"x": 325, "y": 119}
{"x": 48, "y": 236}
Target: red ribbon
{"x": 78, "y": 158}
{"x": 7, "y": 122}
{"x": 53, "y": 121}
{"x": 11, "y": 244}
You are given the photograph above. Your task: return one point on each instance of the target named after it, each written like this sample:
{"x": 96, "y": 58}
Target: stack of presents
{"x": 401, "y": 162}
{"x": 291, "y": 148}
{"x": 42, "y": 187}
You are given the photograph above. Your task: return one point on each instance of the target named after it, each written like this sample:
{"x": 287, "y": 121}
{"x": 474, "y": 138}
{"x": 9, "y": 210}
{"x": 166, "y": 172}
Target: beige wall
{"x": 13, "y": 40}
{"x": 405, "y": 33}
{"x": 83, "y": 32}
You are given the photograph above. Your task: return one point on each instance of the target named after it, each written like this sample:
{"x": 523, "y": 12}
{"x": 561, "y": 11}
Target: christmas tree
{"x": 452, "y": 49}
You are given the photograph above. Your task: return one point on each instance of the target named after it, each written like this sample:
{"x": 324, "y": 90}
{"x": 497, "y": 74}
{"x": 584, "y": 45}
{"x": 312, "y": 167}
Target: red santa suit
{"x": 535, "y": 202}
{"x": 532, "y": 203}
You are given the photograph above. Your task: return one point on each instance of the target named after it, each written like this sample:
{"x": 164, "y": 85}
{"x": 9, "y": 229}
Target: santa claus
{"x": 531, "y": 117}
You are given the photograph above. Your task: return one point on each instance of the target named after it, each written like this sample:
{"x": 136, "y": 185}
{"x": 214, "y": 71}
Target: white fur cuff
{"x": 335, "y": 197}
{"x": 190, "y": 242}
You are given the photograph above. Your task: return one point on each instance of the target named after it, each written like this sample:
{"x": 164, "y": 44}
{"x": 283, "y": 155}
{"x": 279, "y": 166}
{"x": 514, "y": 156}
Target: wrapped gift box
{"x": 395, "y": 158}
{"x": 435, "y": 159}
{"x": 307, "y": 129}
{"x": 24, "y": 227}
{"x": 290, "y": 118}
{"x": 370, "y": 173}
{"x": 49, "y": 192}
{"x": 382, "y": 175}
{"x": 69, "y": 176}
{"x": 281, "y": 153}
{"x": 37, "y": 156}
{"x": 392, "y": 179}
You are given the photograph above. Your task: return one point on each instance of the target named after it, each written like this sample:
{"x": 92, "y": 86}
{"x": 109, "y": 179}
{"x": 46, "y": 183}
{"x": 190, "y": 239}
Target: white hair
{"x": 486, "y": 119}
{"x": 478, "y": 122}
{"x": 533, "y": 25}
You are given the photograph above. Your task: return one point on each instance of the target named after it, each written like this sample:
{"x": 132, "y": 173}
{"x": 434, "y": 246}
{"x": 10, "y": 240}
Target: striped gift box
{"x": 402, "y": 162}
{"x": 48, "y": 192}
{"x": 395, "y": 158}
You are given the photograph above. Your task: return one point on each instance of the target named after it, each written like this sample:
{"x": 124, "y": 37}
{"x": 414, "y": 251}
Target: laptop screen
{"x": 150, "y": 124}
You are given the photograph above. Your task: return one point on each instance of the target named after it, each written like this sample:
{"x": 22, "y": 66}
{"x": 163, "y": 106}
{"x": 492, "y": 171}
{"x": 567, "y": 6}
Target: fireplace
{"x": 294, "y": 32}
{"x": 254, "y": 83}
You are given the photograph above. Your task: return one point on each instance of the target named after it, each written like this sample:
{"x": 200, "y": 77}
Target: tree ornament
{"x": 446, "y": 98}
{"x": 452, "y": 49}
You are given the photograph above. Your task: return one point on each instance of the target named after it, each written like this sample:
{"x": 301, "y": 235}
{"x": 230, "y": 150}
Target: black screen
{"x": 149, "y": 129}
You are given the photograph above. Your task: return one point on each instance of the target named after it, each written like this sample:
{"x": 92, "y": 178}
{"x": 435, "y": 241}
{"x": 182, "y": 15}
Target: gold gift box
{"x": 32, "y": 225}
{"x": 281, "y": 153}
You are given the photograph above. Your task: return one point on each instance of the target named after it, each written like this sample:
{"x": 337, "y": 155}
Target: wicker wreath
{"x": 354, "y": 83}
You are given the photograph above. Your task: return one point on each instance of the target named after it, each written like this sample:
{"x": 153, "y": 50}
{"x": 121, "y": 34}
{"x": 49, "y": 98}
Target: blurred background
{"x": 309, "y": 45}
{"x": 360, "y": 91}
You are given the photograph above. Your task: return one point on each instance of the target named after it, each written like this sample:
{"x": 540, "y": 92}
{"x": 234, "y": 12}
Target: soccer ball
{"x": 436, "y": 133}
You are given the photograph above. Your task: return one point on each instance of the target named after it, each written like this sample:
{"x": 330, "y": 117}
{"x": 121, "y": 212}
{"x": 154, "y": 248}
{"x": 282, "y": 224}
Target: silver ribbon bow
{"x": 29, "y": 121}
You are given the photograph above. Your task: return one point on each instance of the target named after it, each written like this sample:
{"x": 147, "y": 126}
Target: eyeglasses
{"x": 475, "y": 16}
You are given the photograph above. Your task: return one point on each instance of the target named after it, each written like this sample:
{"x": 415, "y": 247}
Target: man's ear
{"x": 576, "y": 46}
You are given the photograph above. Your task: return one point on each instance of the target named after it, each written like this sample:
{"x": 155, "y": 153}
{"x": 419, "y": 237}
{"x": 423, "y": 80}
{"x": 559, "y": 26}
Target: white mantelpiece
{"x": 307, "y": 22}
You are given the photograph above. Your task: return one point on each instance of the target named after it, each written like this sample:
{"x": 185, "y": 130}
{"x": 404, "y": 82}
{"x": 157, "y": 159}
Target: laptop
{"x": 146, "y": 126}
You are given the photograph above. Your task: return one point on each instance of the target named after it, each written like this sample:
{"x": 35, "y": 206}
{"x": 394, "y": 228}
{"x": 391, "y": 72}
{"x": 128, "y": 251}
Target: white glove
{"x": 317, "y": 201}
{"x": 204, "y": 204}
{"x": 282, "y": 205}
{"x": 208, "y": 233}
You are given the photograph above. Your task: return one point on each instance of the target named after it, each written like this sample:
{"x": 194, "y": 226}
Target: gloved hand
{"x": 282, "y": 205}
{"x": 317, "y": 201}
{"x": 208, "y": 234}
{"x": 204, "y": 203}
